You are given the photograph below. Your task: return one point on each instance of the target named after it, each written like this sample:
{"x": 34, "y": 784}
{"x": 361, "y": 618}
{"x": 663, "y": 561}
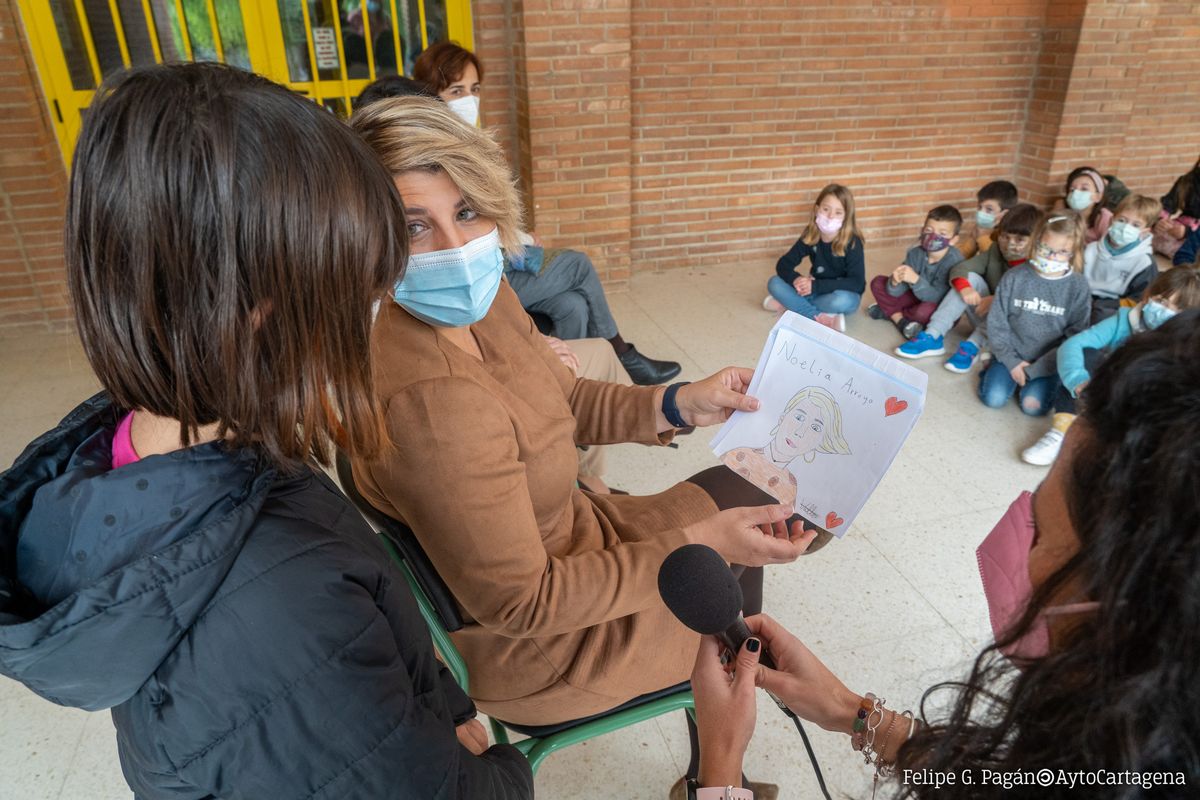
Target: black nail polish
{"x": 753, "y": 644}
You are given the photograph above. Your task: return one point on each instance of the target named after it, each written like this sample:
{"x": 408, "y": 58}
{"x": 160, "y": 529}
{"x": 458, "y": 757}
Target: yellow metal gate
{"x": 326, "y": 49}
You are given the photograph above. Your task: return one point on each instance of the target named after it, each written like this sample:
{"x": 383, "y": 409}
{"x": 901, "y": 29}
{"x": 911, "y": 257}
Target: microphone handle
{"x": 734, "y": 637}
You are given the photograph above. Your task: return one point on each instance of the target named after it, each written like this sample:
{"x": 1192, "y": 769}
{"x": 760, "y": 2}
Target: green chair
{"x": 441, "y": 615}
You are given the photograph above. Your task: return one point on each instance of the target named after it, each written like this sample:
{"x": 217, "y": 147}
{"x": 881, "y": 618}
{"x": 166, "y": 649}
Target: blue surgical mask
{"x": 1122, "y": 234}
{"x": 985, "y": 220}
{"x": 1155, "y": 313}
{"x": 1079, "y": 199}
{"x": 453, "y": 288}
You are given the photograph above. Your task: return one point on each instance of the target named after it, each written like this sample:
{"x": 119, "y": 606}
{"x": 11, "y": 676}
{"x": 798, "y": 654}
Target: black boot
{"x": 646, "y": 371}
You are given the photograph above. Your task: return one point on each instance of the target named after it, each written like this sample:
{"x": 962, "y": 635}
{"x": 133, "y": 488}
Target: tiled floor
{"x": 892, "y": 608}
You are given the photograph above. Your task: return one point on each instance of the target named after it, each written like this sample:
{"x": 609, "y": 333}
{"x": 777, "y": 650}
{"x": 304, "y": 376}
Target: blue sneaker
{"x": 923, "y": 346}
{"x": 963, "y": 358}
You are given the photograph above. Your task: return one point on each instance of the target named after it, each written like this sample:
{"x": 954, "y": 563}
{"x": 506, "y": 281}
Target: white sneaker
{"x": 1045, "y": 450}
{"x": 771, "y": 304}
{"x": 840, "y": 322}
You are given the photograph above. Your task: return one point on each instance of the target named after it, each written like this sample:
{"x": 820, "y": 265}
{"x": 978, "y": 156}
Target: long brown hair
{"x": 1118, "y": 689}
{"x": 1185, "y": 195}
{"x": 849, "y": 231}
{"x": 225, "y": 242}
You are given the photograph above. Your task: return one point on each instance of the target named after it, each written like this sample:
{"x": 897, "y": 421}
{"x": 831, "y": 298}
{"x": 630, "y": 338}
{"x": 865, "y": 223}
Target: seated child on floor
{"x": 1037, "y": 306}
{"x": 1180, "y": 214}
{"x": 1121, "y": 265}
{"x": 834, "y": 247}
{"x": 973, "y": 283}
{"x": 993, "y": 202}
{"x": 1173, "y": 291}
{"x": 1084, "y": 193}
{"x": 910, "y": 295}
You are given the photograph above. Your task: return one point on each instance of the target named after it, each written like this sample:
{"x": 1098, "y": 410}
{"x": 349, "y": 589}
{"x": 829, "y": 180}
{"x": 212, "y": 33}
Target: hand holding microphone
{"x": 697, "y": 586}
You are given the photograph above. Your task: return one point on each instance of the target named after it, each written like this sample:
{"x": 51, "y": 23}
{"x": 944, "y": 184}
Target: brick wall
{"x": 739, "y": 113}
{"x": 578, "y": 84}
{"x": 664, "y": 133}
{"x": 32, "y": 193}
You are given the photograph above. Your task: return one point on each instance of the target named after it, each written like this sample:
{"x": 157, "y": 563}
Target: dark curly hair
{"x": 1120, "y": 691}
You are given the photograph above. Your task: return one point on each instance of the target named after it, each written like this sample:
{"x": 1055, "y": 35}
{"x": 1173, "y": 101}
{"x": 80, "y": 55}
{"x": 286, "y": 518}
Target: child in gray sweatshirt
{"x": 1038, "y": 305}
{"x": 910, "y": 295}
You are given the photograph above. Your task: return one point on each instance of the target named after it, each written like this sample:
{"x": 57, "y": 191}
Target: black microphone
{"x": 701, "y": 591}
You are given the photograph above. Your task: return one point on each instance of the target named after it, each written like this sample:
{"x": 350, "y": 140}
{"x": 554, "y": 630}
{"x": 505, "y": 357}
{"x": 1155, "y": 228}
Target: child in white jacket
{"x": 1121, "y": 264}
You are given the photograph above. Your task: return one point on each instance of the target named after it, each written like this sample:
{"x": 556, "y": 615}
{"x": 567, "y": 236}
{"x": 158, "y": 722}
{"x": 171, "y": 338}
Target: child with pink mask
{"x": 834, "y": 247}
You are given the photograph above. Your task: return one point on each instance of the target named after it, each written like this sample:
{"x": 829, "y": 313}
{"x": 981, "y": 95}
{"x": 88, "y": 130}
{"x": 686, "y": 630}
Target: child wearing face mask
{"x": 992, "y": 202}
{"x": 1037, "y": 306}
{"x": 1181, "y": 213}
{"x": 1121, "y": 265}
{"x": 910, "y": 295}
{"x": 1172, "y": 292}
{"x": 836, "y": 278}
{"x": 973, "y": 285}
{"x": 1084, "y": 193}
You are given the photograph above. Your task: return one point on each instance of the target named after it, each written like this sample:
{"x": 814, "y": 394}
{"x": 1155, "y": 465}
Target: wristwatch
{"x": 670, "y": 409}
{"x": 696, "y": 792}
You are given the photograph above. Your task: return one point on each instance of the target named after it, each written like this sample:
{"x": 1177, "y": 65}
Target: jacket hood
{"x": 103, "y": 571}
{"x": 1142, "y": 249}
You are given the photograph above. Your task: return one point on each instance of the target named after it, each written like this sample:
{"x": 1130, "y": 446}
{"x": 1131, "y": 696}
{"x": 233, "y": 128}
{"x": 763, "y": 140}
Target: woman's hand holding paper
{"x": 712, "y": 400}
{"x": 754, "y": 536}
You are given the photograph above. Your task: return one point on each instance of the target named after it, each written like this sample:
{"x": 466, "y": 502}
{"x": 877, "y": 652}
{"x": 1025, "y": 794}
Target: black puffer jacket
{"x": 245, "y": 628}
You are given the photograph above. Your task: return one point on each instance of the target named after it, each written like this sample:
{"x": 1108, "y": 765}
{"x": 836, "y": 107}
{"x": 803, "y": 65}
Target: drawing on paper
{"x": 811, "y": 424}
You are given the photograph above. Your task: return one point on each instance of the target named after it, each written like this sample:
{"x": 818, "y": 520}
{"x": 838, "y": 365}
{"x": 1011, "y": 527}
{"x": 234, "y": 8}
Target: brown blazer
{"x": 559, "y": 586}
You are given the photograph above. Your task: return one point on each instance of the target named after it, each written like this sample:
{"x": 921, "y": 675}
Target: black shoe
{"x": 874, "y": 311}
{"x": 909, "y": 329}
{"x": 646, "y": 371}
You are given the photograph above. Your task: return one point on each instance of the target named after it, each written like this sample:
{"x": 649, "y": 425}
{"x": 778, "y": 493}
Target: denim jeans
{"x": 568, "y": 291}
{"x": 996, "y": 386}
{"x": 839, "y": 301}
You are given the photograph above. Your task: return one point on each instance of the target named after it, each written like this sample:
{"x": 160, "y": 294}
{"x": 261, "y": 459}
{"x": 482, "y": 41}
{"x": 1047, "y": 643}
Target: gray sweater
{"x": 934, "y": 280}
{"x": 1032, "y": 315}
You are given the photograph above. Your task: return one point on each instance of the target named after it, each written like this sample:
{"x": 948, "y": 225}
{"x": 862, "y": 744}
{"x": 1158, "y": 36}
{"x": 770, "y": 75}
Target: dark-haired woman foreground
{"x": 1093, "y": 584}
{"x": 168, "y": 551}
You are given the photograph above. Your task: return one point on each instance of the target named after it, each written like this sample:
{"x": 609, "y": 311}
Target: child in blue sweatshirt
{"x": 1173, "y": 291}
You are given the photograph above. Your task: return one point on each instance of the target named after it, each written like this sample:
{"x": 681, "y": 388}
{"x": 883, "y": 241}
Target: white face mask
{"x": 467, "y": 108}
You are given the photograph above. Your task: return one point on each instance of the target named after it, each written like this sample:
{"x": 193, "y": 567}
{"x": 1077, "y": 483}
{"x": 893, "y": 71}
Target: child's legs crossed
{"x": 996, "y": 385}
{"x": 888, "y": 303}
{"x": 839, "y": 301}
{"x": 919, "y": 311}
{"x": 790, "y": 299}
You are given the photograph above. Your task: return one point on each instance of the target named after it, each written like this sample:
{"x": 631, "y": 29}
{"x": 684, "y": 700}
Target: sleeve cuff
{"x": 962, "y": 284}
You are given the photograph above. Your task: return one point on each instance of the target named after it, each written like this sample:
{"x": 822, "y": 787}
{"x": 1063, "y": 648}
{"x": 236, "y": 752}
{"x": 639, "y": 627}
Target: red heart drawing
{"x": 832, "y": 520}
{"x": 894, "y": 405}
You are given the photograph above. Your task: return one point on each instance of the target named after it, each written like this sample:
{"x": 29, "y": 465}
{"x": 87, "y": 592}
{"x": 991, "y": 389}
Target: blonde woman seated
{"x": 811, "y": 423}
{"x": 558, "y": 586}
